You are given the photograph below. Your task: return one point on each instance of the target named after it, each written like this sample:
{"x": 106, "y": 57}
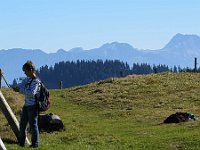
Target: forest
{"x": 70, "y": 73}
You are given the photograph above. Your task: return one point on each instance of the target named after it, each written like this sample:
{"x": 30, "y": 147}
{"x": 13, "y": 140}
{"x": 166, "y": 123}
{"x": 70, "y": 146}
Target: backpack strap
{"x": 29, "y": 83}
{"x": 40, "y": 81}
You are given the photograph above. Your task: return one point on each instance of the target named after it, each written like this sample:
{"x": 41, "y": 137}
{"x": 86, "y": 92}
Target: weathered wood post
{"x": 60, "y": 84}
{"x": 12, "y": 120}
{"x": 2, "y": 146}
{"x": 195, "y": 64}
{"x": 0, "y": 76}
{"x": 121, "y": 73}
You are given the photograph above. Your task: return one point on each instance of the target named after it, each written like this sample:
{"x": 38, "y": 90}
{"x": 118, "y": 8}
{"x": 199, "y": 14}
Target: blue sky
{"x": 53, "y": 24}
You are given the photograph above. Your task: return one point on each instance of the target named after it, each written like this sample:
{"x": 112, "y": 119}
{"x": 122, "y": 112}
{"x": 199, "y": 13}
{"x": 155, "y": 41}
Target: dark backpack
{"x": 50, "y": 122}
{"x": 43, "y": 101}
{"x": 180, "y": 117}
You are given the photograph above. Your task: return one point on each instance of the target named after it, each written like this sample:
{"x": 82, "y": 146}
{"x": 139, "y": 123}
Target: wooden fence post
{"x": 195, "y": 64}
{"x": 2, "y": 146}
{"x": 0, "y": 76}
{"x": 12, "y": 120}
{"x": 60, "y": 84}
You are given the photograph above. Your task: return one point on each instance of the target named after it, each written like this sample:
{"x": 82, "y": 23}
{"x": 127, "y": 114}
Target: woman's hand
{"x": 16, "y": 89}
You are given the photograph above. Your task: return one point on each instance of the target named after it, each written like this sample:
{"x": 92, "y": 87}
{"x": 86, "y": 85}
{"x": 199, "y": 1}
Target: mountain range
{"x": 180, "y": 51}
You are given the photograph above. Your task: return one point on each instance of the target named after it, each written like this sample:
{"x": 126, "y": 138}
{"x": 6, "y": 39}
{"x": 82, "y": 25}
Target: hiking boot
{"x": 21, "y": 144}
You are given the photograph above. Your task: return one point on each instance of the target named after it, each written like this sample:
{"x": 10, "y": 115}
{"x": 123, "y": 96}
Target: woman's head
{"x": 29, "y": 69}
{"x": 28, "y": 66}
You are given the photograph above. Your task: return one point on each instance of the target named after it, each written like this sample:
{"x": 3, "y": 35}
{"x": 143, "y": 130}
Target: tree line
{"x": 82, "y": 72}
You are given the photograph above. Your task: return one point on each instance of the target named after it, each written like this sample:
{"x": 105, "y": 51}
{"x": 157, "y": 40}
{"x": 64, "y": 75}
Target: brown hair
{"x": 28, "y": 66}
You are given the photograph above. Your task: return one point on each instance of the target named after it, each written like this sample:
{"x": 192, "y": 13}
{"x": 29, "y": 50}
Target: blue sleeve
{"x": 22, "y": 86}
{"x": 30, "y": 90}
{"x": 33, "y": 89}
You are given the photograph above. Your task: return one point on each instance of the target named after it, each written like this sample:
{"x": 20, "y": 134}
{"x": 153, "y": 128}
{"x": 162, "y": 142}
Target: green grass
{"x": 120, "y": 113}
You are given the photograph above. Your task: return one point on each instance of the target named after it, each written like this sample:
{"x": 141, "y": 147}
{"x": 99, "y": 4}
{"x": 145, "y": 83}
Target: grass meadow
{"x": 119, "y": 114}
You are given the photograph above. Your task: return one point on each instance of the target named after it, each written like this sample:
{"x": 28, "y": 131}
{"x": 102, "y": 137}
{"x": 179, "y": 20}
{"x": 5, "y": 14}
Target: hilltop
{"x": 121, "y": 113}
{"x": 175, "y": 91}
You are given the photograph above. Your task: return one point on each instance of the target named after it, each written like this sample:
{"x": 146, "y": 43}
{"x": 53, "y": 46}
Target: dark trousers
{"x": 29, "y": 115}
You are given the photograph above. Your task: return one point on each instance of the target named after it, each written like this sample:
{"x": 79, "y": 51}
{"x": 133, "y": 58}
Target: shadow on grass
{"x": 9, "y": 141}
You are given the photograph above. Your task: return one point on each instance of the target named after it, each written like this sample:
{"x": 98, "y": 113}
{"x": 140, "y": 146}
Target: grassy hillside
{"x": 120, "y": 113}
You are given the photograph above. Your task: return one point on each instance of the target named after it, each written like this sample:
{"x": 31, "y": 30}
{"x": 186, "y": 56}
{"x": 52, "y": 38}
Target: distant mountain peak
{"x": 116, "y": 45}
{"x": 180, "y": 36}
{"x": 76, "y": 49}
{"x": 181, "y": 41}
{"x": 60, "y": 50}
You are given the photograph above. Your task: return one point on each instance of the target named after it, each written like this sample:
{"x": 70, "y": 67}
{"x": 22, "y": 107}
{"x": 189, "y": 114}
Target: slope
{"x": 121, "y": 113}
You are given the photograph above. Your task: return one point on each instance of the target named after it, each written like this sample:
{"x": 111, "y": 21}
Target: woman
{"x": 29, "y": 114}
